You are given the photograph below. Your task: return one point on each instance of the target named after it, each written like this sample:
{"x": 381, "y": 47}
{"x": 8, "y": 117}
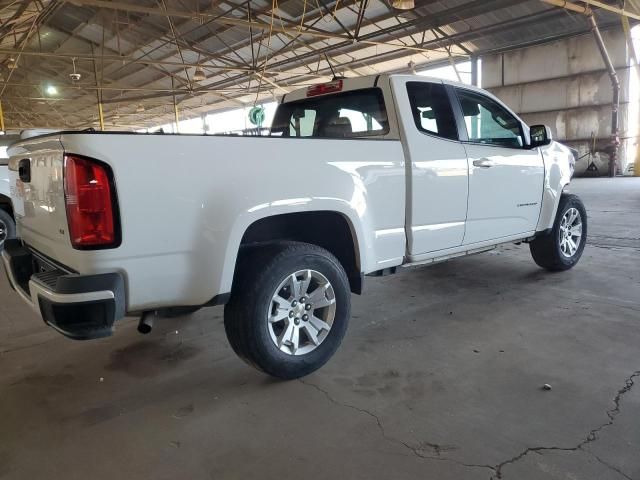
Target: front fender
{"x": 557, "y": 167}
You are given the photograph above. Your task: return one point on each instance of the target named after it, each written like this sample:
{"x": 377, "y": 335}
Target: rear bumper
{"x": 81, "y": 307}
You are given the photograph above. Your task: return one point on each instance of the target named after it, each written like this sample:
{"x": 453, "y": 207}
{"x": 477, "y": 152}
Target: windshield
{"x": 353, "y": 114}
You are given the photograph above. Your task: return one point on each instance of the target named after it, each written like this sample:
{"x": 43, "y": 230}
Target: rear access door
{"x": 437, "y": 185}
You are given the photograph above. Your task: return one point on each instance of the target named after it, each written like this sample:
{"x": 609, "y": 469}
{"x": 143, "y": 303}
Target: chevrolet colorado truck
{"x": 358, "y": 177}
{"x": 7, "y": 223}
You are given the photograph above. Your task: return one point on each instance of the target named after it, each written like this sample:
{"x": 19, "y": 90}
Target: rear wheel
{"x": 289, "y": 308}
{"x": 7, "y": 227}
{"x": 562, "y": 248}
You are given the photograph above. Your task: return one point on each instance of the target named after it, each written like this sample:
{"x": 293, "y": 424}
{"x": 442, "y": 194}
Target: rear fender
{"x": 363, "y": 246}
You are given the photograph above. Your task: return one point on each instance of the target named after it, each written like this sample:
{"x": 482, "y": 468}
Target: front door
{"x": 505, "y": 178}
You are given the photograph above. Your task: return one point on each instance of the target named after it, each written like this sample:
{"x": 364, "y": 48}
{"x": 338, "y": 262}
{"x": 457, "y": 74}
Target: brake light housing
{"x": 324, "y": 88}
{"x": 90, "y": 200}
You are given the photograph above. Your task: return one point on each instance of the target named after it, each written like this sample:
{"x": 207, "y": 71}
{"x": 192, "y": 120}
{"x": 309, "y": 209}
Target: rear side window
{"x": 431, "y": 109}
{"x": 489, "y": 122}
{"x": 360, "y": 113}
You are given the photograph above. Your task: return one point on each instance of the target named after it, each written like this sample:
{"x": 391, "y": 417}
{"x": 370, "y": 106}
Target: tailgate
{"x": 37, "y": 192}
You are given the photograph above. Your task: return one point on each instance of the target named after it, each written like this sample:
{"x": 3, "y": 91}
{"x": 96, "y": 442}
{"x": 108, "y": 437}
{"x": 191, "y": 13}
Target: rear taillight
{"x": 90, "y": 202}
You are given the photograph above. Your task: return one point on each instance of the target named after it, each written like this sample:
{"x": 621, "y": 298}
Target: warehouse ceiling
{"x": 141, "y": 59}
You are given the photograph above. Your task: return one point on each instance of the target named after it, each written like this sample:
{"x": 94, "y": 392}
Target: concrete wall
{"x": 564, "y": 85}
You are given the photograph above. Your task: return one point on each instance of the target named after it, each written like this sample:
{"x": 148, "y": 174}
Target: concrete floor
{"x": 439, "y": 377}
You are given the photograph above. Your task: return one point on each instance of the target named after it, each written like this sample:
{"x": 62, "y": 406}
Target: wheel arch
{"x": 331, "y": 230}
{"x": 5, "y": 204}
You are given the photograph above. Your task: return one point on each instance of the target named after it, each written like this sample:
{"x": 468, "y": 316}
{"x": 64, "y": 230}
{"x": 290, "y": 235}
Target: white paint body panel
{"x": 504, "y": 199}
{"x": 186, "y": 201}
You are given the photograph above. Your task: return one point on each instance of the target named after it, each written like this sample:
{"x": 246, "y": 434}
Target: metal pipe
{"x": 615, "y": 103}
{"x": 145, "y": 325}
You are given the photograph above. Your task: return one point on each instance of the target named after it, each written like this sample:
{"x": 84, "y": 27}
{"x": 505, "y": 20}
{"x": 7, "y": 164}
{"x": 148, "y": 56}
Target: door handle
{"x": 483, "y": 163}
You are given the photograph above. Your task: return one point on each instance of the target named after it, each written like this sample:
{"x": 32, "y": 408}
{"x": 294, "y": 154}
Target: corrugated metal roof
{"x": 249, "y": 51}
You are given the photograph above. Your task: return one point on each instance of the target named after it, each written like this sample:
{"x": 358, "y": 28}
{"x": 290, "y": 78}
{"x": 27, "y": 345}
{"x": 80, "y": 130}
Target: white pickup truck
{"x": 358, "y": 177}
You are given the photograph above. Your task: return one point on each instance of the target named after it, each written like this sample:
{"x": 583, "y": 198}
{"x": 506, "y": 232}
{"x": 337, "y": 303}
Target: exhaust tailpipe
{"x": 146, "y": 322}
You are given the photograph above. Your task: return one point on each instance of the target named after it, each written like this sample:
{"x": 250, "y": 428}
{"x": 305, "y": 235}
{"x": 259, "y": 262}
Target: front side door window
{"x": 488, "y": 122}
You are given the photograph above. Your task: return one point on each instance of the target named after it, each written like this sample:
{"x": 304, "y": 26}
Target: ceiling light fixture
{"x": 12, "y": 64}
{"x": 199, "y": 75}
{"x": 75, "y": 76}
{"x": 403, "y": 4}
{"x": 51, "y": 90}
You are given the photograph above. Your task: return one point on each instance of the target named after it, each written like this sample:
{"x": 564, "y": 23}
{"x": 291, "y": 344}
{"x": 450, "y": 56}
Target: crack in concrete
{"x": 497, "y": 469}
{"x": 414, "y": 450}
{"x": 591, "y": 437}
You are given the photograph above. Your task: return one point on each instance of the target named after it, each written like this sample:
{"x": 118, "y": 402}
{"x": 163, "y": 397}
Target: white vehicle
{"x": 7, "y": 224}
{"x": 359, "y": 177}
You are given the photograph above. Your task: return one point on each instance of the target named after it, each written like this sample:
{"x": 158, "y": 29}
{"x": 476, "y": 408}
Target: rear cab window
{"x": 352, "y": 114}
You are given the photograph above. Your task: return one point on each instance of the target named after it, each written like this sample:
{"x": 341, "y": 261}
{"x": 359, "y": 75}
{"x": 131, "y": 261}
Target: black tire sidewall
{"x": 568, "y": 202}
{"x": 9, "y": 223}
{"x": 271, "y": 359}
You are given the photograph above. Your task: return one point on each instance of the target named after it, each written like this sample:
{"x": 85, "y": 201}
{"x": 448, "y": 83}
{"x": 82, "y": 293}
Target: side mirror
{"x": 540, "y": 136}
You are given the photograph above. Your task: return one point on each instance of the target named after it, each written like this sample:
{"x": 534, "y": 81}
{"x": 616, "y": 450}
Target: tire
{"x": 7, "y": 227}
{"x": 273, "y": 346}
{"x": 551, "y": 251}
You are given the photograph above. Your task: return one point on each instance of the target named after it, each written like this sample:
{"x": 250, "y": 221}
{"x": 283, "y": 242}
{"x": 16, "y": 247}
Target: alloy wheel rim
{"x": 3, "y": 232}
{"x": 301, "y": 312}
{"x": 570, "y": 232}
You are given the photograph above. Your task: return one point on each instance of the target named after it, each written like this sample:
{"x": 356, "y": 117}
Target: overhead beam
{"x": 610, "y": 8}
{"x": 573, "y": 7}
{"x": 237, "y": 22}
{"x": 134, "y": 61}
{"x": 585, "y": 9}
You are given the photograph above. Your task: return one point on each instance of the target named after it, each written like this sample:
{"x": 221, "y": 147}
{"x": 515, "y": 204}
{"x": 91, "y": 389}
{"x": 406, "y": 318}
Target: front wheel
{"x": 561, "y": 248}
{"x": 7, "y": 227}
{"x": 289, "y": 308}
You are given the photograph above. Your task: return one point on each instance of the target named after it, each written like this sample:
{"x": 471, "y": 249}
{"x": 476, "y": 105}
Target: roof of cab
{"x": 370, "y": 81}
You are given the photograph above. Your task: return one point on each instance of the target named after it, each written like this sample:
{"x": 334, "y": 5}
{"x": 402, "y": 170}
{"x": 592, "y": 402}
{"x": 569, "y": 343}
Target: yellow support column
{"x": 100, "y": 116}
{"x": 175, "y": 106}
{"x": 1, "y": 118}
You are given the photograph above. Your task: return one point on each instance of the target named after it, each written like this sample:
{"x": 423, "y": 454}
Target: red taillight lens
{"x": 89, "y": 201}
